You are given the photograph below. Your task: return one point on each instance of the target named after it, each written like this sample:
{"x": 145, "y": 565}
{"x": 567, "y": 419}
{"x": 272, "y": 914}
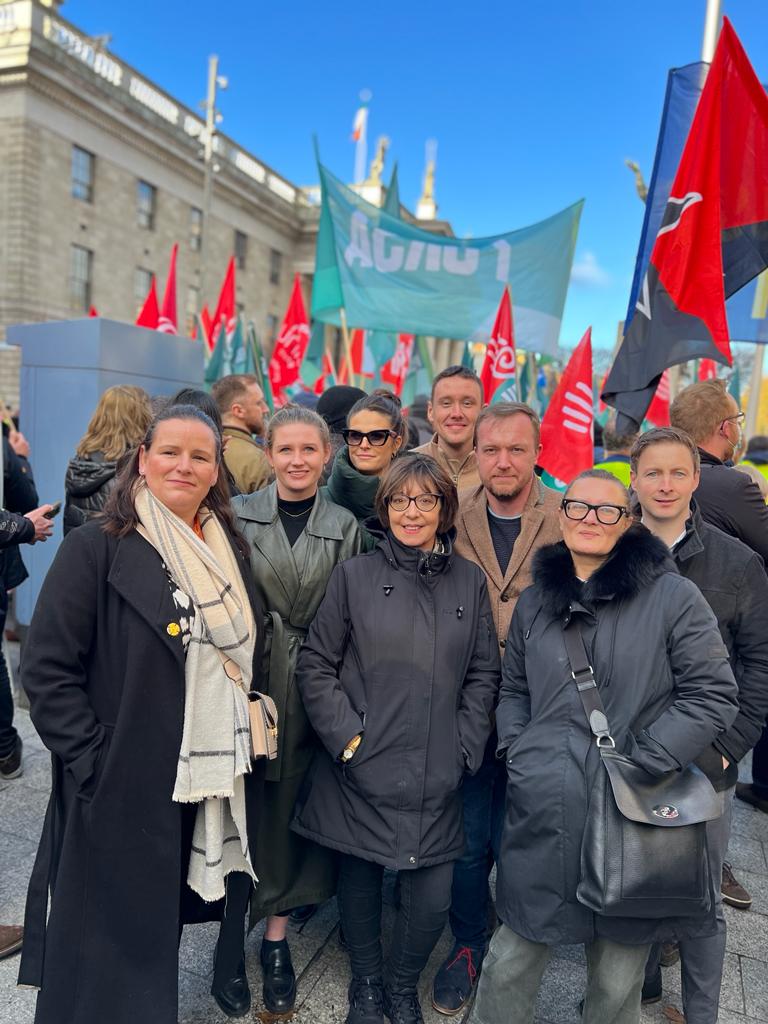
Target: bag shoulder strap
{"x": 584, "y": 677}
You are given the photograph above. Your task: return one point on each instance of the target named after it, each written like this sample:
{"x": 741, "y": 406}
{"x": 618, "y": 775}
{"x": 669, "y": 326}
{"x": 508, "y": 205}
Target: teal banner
{"x": 392, "y": 276}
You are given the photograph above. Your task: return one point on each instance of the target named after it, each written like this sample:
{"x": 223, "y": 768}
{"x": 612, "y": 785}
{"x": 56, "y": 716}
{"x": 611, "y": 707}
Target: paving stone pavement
{"x": 322, "y": 965}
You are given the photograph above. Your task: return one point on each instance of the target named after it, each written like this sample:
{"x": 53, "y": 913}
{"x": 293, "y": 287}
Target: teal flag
{"x": 231, "y": 355}
{"x": 467, "y": 359}
{"x": 734, "y": 386}
{"x": 393, "y": 276}
{"x": 261, "y": 368}
{"x": 312, "y": 364}
{"x": 418, "y": 380}
{"x": 392, "y": 202}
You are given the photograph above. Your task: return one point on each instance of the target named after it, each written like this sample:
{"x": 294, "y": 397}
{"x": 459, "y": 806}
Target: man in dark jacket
{"x": 728, "y": 500}
{"x": 665, "y": 474}
{"x": 731, "y": 501}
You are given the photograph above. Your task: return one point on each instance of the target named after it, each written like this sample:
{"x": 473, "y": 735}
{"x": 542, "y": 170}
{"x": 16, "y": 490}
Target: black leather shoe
{"x": 233, "y": 995}
{"x": 302, "y": 914}
{"x": 365, "y": 1001}
{"x": 455, "y": 979}
{"x": 402, "y": 1007}
{"x": 279, "y": 979}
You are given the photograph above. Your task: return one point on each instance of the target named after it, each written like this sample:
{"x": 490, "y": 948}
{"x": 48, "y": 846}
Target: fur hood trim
{"x": 637, "y": 560}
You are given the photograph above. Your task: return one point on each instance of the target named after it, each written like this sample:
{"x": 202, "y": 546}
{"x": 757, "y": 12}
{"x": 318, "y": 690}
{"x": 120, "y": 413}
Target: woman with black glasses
{"x": 663, "y": 677}
{"x": 373, "y": 437}
{"x": 398, "y": 676}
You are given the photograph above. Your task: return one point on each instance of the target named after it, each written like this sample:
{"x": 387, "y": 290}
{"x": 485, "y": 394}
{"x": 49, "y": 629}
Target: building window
{"x": 275, "y": 266}
{"x": 271, "y": 328}
{"x": 82, "y": 174}
{"x": 195, "y": 228}
{"x": 193, "y": 300}
{"x": 80, "y": 277}
{"x": 241, "y": 249}
{"x": 142, "y": 282}
{"x": 146, "y": 202}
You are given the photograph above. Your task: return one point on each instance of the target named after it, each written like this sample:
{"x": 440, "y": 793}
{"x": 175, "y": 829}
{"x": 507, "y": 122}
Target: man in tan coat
{"x": 455, "y": 404}
{"x": 500, "y": 526}
{"x": 241, "y": 403}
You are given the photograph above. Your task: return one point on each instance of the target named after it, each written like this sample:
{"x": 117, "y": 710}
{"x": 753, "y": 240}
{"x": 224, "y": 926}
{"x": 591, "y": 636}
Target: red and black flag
{"x": 713, "y": 237}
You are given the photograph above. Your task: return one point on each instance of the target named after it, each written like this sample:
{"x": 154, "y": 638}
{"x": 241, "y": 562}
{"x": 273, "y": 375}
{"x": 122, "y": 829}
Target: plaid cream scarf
{"x": 215, "y": 749}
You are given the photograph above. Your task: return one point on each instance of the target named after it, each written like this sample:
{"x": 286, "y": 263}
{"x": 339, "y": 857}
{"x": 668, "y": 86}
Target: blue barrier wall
{"x": 65, "y": 368}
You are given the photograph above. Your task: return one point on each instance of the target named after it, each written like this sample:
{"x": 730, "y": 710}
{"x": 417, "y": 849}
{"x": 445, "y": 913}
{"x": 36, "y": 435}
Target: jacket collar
{"x": 358, "y": 490}
{"x": 475, "y": 515}
{"x": 408, "y": 559}
{"x": 637, "y": 560}
{"x": 261, "y": 507}
{"x": 241, "y": 434}
{"x": 708, "y": 459}
{"x": 691, "y": 544}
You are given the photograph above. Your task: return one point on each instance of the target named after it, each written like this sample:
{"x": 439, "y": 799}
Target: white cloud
{"x": 587, "y": 271}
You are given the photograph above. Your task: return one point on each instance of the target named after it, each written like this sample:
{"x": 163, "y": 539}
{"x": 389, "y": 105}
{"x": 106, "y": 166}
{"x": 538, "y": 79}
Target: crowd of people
{"x": 408, "y": 611}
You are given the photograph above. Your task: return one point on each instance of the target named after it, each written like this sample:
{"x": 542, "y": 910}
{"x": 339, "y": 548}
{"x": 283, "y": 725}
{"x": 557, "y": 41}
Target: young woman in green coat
{"x": 296, "y": 537}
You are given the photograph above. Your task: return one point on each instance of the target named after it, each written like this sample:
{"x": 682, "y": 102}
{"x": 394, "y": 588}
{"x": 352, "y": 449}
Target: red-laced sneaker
{"x": 455, "y": 980}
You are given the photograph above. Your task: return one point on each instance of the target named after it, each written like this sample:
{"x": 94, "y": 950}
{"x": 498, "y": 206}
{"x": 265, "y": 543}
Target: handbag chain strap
{"x": 584, "y": 677}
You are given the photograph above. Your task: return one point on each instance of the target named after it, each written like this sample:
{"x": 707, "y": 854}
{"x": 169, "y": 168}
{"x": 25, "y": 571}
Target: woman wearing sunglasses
{"x": 398, "y": 675}
{"x": 373, "y": 437}
{"x": 663, "y": 677}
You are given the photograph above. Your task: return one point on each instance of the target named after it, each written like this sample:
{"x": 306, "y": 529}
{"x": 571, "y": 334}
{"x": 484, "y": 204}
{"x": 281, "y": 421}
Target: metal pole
{"x": 712, "y": 20}
{"x": 210, "y": 130}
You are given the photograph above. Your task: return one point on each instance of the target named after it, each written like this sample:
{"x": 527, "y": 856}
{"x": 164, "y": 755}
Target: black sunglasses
{"x": 377, "y": 438}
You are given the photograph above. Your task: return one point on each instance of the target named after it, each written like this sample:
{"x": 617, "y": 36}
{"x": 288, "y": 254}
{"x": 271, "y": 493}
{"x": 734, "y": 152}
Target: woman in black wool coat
{"x": 664, "y": 679}
{"x": 127, "y": 678}
{"x": 399, "y": 676}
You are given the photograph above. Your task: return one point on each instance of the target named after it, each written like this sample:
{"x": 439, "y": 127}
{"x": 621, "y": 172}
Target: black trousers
{"x": 425, "y": 897}
{"x": 7, "y": 731}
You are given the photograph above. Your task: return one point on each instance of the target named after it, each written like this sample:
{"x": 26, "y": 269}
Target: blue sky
{"x": 532, "y": 105}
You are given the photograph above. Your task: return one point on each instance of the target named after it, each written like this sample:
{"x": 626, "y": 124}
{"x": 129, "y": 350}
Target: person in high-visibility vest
{"x": 757, "y": 454}
{"x": 616, "y": 449}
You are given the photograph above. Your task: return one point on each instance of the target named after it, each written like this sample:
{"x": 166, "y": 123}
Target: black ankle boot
{"x": 232, "y": 994}
{"x": 402, "y": 1007}
{"x": 279, "y": 977}
{"x": 365, "y": 1001}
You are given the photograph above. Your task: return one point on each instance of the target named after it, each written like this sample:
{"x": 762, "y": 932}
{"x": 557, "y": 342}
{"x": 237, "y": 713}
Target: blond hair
{"x": 700, "y": 408}
{"x": 119, "y": 422}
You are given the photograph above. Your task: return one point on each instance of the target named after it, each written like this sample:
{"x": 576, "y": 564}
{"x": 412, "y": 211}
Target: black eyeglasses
{"x": 377, "y": 438}
{"x": 423, "y": 502}
{"x": 608, "y": 515}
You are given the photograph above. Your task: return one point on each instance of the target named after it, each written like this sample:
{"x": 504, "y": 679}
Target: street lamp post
{"x": 211, "y": 118}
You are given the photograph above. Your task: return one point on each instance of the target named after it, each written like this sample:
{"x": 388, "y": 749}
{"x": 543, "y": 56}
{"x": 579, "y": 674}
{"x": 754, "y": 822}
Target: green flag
{"x": 260, "y": 365}
{"x": 390, "y": 275}
{"x": 392, "y": 202}
{"x": 467, "y": 359}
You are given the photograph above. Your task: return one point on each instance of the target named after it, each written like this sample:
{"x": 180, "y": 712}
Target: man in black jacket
{"x": 665, "y": 474}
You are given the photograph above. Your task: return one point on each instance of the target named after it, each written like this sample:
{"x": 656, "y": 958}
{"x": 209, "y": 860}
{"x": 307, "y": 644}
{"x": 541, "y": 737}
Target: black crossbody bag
{"x": 644, "y": 852}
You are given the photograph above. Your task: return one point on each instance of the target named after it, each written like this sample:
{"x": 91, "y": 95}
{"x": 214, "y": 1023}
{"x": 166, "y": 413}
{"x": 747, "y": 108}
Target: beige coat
{"x": 463, "y": 473}
{"x": 539, "y": 526}
{"x": 246, "y": 461}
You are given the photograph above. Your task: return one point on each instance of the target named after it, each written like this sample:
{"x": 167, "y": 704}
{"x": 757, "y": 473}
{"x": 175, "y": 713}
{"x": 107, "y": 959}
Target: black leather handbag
{"x": 644, "y": 851}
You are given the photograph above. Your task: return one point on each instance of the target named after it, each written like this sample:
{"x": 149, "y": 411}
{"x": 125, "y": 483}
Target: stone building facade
{"x": 103, "y": 171}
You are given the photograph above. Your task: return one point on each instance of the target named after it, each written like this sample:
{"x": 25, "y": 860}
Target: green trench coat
{"x": 290, "y": 583}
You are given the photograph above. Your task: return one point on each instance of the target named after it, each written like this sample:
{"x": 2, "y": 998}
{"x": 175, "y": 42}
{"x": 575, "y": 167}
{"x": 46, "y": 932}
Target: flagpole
{"x": 347, "y": 346}
{"x": 532, "y": 375}
{"x": 755, "y": 384}
{"x": 214, "y": 80}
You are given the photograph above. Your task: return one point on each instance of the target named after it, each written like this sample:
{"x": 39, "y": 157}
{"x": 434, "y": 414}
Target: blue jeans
{"x": 483, "y": 796}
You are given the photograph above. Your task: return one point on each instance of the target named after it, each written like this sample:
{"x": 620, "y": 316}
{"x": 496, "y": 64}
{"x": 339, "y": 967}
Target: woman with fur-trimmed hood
{"x": 663, "y": 675}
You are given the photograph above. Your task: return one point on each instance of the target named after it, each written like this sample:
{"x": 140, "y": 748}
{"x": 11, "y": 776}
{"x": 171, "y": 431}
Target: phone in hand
{"x": 54, "y": 511}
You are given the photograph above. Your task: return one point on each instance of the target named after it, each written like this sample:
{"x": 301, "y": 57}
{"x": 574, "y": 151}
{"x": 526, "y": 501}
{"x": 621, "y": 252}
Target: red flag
{"x": 499, "y": 368}
{"x": 658, "y": 410}
{"x": 226, "y": 307}
{"x": 566, "y": 430}
{"x": 205, "y": 320}
{"x": 707, "y": 369}
{"x": 395, "y": 370}
{"x": 361, "y": 358}
{"x": 93, "y": 311}
{"x": 291, "y": 343}
{"x": 167, "y": 322}
{"x": 713, "y": 238}
{"x": 150, "y": 311}
{"x": 328, "y": 371}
